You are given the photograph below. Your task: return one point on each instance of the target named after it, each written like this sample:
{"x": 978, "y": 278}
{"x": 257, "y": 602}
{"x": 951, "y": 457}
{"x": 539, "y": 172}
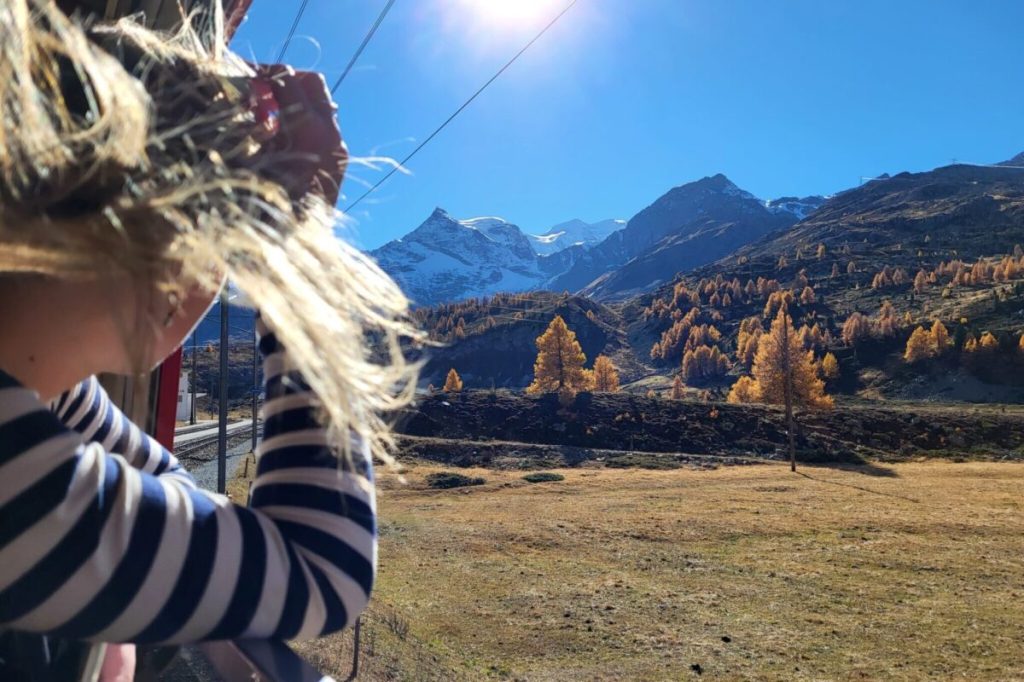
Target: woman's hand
{"x": 118, "y": 663}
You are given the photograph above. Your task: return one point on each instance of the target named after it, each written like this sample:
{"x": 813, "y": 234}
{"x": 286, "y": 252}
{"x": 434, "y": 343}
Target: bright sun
{"x": 513, "y": 13}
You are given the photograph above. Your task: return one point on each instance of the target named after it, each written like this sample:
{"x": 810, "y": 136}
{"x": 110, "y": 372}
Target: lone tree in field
{"x": 606, "y": 377}
{"x": 784, "y": 373}
{"x": 779, "y": 354}
{"x": 453, "y": 383}
{"x": 560, "y": 360}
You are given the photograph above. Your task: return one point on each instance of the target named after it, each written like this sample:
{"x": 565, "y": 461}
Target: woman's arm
{"x": 92, "y": 548}
{"x": 87, "y": 409}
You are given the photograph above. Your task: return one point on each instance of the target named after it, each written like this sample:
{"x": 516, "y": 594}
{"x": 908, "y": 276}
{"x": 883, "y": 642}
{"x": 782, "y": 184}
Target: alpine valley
{"x": 901, "y": 251}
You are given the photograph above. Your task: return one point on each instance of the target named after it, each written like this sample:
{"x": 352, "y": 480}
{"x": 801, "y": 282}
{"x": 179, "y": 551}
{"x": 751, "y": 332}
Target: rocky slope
{"x": 974, "y": 210}
{"x": 688, "y": 226}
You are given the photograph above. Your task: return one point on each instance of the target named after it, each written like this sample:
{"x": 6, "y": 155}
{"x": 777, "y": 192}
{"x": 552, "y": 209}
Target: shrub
{"x": 447, "y": 479}
{"x": 543, "y": 477}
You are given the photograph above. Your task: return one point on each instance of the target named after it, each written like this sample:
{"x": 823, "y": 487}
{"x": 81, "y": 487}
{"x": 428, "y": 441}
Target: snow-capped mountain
{"x": 572, "y": 233}
{"x": 799, "y": 207}
{"x": 445, "y": 259}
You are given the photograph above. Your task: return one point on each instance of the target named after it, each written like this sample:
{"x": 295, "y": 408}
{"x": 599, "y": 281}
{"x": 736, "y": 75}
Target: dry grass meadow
{"x": 745, "y": 573}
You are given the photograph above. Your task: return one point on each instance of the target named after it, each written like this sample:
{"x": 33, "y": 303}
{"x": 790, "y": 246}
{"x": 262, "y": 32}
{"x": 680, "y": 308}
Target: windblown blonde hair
{"x": 143, "y": 164}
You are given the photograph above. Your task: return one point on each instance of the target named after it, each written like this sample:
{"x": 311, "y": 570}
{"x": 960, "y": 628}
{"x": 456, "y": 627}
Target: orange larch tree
{"x": 920, "y": 346}
{"x": 606, "y": 376}
{"x": 856, "y": 328}
{"x": 778, "y": 350}
{"x": 939, "y": 337}
{"x": 829, "y": 367}
{"x": 744, "y": 391}
{"x": 453, "y": 383}
{"x": 560, "y": 360}
{"x": 679, "y": 388}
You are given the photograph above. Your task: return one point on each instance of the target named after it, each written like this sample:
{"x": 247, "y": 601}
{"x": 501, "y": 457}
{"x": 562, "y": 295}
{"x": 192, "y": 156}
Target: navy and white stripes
{"x": 104, "y": 537}
{"x": 87, "y": 409}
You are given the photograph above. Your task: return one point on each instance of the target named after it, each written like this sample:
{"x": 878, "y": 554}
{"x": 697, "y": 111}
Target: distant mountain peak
{"x": 1015, "y": 161}
{"x": 801, "y": 207}
{"x": 574, "y": 232}
{"x": 686, "y": 227}
{"x": 446, "y": 259}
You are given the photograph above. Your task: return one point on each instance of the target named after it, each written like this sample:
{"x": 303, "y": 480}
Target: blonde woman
{"x": 138, "y": 170}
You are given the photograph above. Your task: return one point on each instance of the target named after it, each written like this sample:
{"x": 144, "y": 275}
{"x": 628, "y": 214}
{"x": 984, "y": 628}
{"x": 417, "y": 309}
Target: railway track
{"x": 190, "y": 444}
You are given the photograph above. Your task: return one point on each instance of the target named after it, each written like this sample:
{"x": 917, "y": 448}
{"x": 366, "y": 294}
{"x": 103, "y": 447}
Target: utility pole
{"x": 195, "y": 375}
{"x": 787, "y": 369}
{"x": 255, "y": 382}
{"x": 222, "y": 422}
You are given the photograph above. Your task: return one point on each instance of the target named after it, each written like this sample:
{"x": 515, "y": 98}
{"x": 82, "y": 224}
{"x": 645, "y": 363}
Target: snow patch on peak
{"x": 484, "y": 223}
{"x": 574, "y": 232}
{"x": 799, "y": 207}
{"x": 445, "y": 259}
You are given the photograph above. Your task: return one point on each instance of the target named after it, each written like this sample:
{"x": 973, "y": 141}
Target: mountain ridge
{"x": 688, "y": 226}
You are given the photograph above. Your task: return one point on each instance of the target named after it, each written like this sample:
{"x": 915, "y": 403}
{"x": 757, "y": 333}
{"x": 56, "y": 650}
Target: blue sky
{"x": 624, "y": 99}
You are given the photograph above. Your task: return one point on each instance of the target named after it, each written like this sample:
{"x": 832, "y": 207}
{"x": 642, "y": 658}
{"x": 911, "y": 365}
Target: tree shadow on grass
{"x": 844, "y": 460}
{"x": 866, "y": 468}
{"x": 856, "y": 466}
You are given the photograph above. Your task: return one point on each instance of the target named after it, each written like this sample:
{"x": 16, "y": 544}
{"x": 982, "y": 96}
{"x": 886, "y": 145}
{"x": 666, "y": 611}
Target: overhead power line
{"x": 362, "y": 46}
{"x": 465, "y": 104}
{"x": 291, "y": 31}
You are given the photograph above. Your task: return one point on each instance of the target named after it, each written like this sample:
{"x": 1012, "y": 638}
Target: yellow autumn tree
{"x": 746, "y": 345}
{"x": 778, "y": 350}
{"x": 744, "y": 391}
{"x": 939, "y": 337}
{"x": 856, "y": 329}
{"x": 829, "y": 367}
{"x": 920, "y": 346}
{"x": 560, "y": 360}
{"x": 606, "y": 377}
{"x": 988, "y": 343}
{"x": 453, "y": 383}
{"x": 678, "y": 389}
{"x": 703, "y": 364}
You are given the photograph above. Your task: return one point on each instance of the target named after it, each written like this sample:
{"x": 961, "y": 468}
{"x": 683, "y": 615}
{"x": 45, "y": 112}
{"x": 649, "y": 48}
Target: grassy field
{"x": 746, "y": 573}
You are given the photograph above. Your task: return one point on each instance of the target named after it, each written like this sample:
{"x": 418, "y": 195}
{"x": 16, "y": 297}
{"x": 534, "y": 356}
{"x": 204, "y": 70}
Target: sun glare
{"x": 513, "y": 13}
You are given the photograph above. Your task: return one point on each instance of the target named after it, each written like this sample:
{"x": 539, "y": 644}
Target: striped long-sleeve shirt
{"x": 104, "y": 537}
{"x": 87, "y": 409}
